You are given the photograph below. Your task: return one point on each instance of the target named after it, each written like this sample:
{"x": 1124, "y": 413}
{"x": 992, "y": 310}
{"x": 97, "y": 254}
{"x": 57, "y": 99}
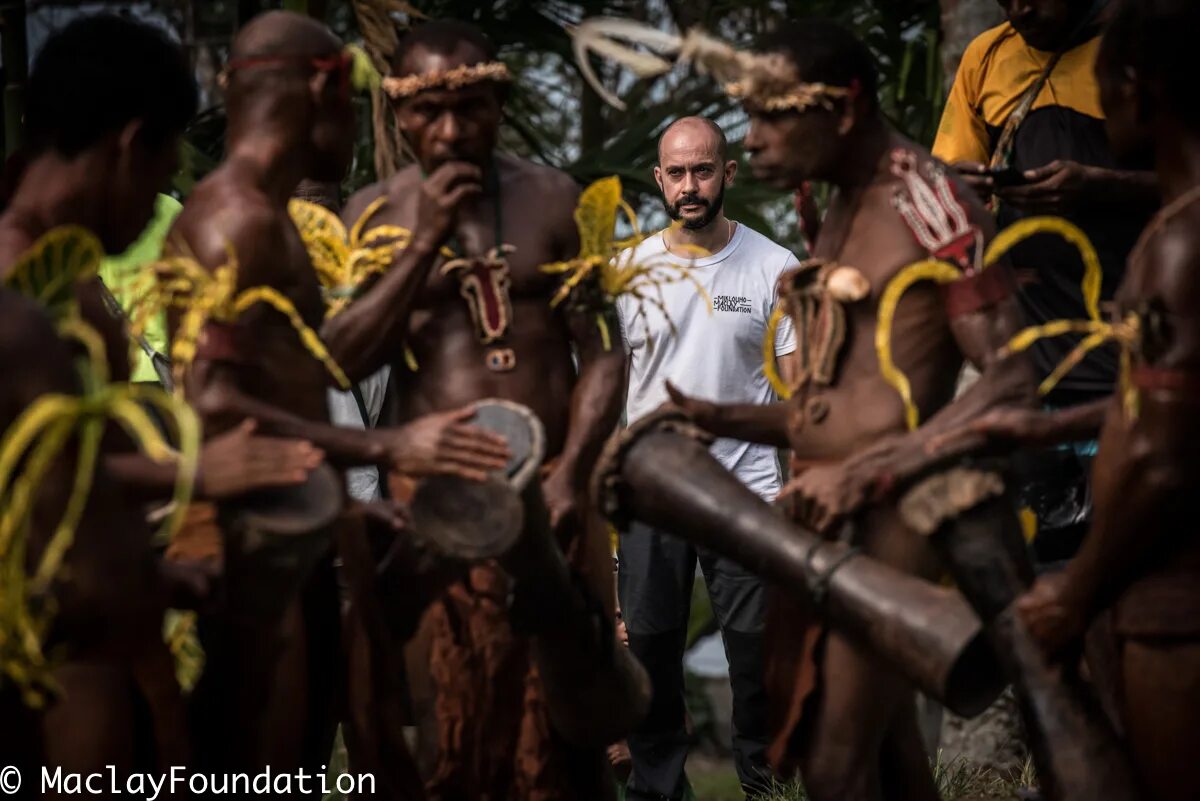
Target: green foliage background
{"x": 552, "y": 117}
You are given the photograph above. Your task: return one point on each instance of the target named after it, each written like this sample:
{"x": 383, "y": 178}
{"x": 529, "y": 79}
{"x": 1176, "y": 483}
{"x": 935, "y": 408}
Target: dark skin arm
{"x": 370, "y": 331}
{"x": 596, "y": 404}
{"x": 1139, "y": 478}
{"x": 1012, "y": 428}
{"x": 599, "y": 393}
{"x": 828, "y": 493}
{"x": 433, "y": 444}
{"x": 1143, "y": 477}
{"x": 762, "y": 424}
{"x": 213, "y": 388}
{"x": 1064, "y": 185}
{"x": 230, "y": 464}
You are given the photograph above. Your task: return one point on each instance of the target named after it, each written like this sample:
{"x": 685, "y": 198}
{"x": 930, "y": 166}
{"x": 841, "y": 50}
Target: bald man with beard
{"x": 711, "y": 352}
{"x": 268, "y": 694}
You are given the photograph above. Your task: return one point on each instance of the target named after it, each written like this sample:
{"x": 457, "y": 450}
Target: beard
{"x": 711, "y": 209}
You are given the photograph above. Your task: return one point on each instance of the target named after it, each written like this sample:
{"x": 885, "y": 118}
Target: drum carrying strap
{"x": 161, "y": 364}
{"x": 1002, "y": 155}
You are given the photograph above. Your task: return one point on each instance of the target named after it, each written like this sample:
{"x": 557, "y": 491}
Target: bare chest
{"x": 851, "y": 348}
{"x": 523, "y": 244}
{"x": 874, "y": 243}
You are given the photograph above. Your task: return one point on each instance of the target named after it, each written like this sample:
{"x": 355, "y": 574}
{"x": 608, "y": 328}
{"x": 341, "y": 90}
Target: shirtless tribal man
{"x": 488, "y": 332}
{"x": 844, "y": 720}
{"x": 105, "y": 177}
{"x": 99, "y": 150}
{"x": 268, "y": 691}
{"x": 1138, "y": 565}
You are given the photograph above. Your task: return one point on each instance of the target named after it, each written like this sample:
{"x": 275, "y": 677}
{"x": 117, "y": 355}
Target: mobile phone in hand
{"x": 1008, "y": 176}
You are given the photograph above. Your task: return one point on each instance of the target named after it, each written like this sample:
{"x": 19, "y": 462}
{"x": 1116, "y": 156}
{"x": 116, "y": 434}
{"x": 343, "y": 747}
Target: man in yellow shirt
{"x": 1023, "y": 123}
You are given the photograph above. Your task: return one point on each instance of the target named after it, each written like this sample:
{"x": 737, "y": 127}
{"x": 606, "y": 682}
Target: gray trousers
{"x": 655, "y": 588}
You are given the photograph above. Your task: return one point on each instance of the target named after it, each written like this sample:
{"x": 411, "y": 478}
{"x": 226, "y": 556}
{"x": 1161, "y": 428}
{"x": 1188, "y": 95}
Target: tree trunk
{"x": 962, "y": 21}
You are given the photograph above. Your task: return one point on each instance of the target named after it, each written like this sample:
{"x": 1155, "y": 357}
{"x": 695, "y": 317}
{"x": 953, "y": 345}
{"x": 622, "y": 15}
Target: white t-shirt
{"x": 362, "y": 483}
{"x": 715, "y": 352}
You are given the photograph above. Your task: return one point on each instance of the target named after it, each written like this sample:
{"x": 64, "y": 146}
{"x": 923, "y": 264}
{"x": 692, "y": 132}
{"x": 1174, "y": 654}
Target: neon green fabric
{"x": 118, "y": 273}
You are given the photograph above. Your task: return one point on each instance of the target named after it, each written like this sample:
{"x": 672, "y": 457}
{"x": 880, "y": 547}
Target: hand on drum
{"x": 238, "y": 462}
{"x": 1054, "y": 619}
{"x": 446, "y": 444}
{"x": 825, "y": 495}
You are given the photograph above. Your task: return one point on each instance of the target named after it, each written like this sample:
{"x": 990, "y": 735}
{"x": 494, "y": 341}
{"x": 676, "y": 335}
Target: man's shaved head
{"x": 269, "y": 55}
{"x": 284, "y": 33}
{"x": 693, "y": 171}
{"x": 691, "y": 126}
{"x": 287, "y": 74}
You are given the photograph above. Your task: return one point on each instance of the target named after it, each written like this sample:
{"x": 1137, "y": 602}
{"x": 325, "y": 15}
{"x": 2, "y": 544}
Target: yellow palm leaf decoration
{"x": 1096, "y": 333}
{"x": 1019, "y": 231}
{"x": 770, "y": 363}
{"x": 201, "y": 296}
{"x": 344, "y": 259}
{"x": 49, "y": 270}
{"x": 943, "y": 272}
{"x": 605, "y": 268}
{"x": 28, "y": 450}
{"x": 940, "y": 272}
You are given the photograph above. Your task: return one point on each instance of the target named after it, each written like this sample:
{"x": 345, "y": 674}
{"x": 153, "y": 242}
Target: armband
{"x": 1166, "y": 379}
{"x": 978, "y": 291}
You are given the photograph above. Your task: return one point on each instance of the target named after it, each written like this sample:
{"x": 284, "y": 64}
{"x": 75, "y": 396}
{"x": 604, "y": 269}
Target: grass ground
{"x": 957, "y": 780}
{"x": 715, "y": 780}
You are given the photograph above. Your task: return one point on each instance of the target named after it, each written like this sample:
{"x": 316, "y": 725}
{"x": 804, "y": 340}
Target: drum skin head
{"x": 525, "y": 435}
{"x": 483, "y": 520}
{"x": 467, "y": 520}
{"x": 307, "y": 507}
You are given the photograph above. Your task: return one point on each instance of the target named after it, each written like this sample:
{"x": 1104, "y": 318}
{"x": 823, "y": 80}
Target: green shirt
{"x": 119, "y": 272}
